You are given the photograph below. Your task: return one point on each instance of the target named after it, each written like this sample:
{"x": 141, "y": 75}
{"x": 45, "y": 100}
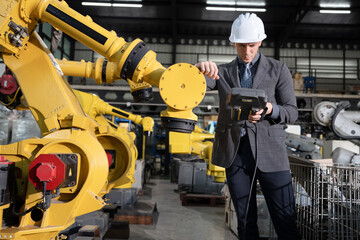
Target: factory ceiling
{"x": 286, "y": 21}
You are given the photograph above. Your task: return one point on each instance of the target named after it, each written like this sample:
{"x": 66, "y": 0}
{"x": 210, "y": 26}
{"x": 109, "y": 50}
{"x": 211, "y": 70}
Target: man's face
{"x": 247, "y": 51}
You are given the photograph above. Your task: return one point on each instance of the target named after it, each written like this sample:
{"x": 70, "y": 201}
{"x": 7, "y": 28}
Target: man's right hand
{"x": 209, "y": 69}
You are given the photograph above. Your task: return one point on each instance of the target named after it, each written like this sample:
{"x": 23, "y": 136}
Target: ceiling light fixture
{"x": 250, "y": 9}
{"x": 334, "y": 5}
{"x": 96, "y": 4}
{"x": 260, "y": 3}
{"x": 332, "y": 11}
{"x": 102, "y": 4}
{"x": 236, "y": 9}
{"x": 335, "y": 8}
{"x": 221, "y": 9}
{"x": 214, "y": 2}
{"x": 127, "y": 5}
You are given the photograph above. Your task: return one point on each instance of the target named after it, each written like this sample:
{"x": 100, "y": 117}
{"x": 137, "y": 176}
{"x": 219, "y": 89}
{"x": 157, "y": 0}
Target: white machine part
{"x": 342, "y": 156}
{"x": 344, "y": 124}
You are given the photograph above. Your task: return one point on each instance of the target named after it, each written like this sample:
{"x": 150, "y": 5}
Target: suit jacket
{"x": 267, "y": 138}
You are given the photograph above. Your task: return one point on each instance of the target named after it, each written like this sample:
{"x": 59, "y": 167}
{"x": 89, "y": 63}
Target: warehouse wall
{"x": 336, "y": 70}
{"x": 335, "y": 67}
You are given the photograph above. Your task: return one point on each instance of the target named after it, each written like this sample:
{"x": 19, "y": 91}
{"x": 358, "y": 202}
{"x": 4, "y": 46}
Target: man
{"x": 255, "y": 149}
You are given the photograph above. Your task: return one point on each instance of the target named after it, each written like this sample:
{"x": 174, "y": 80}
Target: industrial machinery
{"x": 9, "y": 90}
{"x": 119, "y": 145}
{"x": 96, "y": 108}
{"x": 50, "y": 178}
{"x": 180, "y": 142}
{"x": 99, "y": 107}
{"x": 197, "y": 174}
{"x": 117, "y": 142}
{"x": 342, "y": 156}
{"x": 141, "y": 91}
{"x": 120, "y": 149}
{"x": 305, "y": 147}
{"x": 344, "y": 125}
{"x": 197, "y": 143}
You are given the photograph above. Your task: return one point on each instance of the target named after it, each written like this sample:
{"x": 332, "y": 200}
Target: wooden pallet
{"x": 142, "y": 213}
{"x": 135, "y": 219}
{"x": 190, "y": 199}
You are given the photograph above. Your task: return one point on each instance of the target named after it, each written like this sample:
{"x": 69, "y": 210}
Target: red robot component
{"x": 8, "y": 84}
{"x": 3, "y": 159}
{"x": 46, "y": 172}
{"x": 109, "y": 157}
{"x": 47, "y": 168}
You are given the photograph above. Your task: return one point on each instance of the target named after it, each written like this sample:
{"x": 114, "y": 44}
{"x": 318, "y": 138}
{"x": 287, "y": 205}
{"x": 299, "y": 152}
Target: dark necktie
{"x": 246, "y": 81}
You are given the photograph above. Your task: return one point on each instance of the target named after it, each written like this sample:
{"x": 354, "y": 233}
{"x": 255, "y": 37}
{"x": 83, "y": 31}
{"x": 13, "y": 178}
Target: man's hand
{"x": 254, "y": 118}
{"x": 209, "y": 69}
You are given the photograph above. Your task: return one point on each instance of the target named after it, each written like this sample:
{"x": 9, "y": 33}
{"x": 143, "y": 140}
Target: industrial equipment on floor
{"x": 196, "y": 174}
{"x": 53, "y": 176}
{"x": 303, "y": 146}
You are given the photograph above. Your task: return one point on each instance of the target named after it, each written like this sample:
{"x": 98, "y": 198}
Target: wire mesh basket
{"x": 327, "y": 199}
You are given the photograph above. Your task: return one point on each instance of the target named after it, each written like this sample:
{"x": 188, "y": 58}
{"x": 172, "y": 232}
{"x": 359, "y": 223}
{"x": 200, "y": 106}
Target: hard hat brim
{"x": 233, "y": 40}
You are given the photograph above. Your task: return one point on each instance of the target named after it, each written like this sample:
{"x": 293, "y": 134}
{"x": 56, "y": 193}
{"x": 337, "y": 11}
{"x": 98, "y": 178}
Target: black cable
{"x": 253, "y": 179}
{"x": 44, "y": 205}
{"x": 20, "y": 214}
{"x": 256, "y": 163}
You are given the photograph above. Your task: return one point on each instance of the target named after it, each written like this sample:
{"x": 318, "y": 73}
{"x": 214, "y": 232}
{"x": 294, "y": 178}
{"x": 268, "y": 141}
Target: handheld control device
{"x": 245, "y": 101}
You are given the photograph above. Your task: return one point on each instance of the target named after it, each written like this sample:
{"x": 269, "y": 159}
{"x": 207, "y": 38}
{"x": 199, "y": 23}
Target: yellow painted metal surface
{"x": 69, "y": 127}
{"x": 63, "y": 123}
{"x": 62, "y": 212}
{"x": 179, "y": 143}
{"x": 182, "y": 86}
{"x": 112, "y": 139}
{"x": 95, "y": 70}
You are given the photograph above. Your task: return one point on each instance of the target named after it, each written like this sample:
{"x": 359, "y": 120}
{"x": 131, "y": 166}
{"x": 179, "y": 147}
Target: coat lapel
{"x": 234, "y": 71}
{"x": 260, "y": 72}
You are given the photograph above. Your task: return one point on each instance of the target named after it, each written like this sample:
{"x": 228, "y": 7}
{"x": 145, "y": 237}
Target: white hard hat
{"x": 247, "y": 28}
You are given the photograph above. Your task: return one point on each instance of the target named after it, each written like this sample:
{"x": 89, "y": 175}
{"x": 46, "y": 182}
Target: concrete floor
{"x": 176, "y": 222}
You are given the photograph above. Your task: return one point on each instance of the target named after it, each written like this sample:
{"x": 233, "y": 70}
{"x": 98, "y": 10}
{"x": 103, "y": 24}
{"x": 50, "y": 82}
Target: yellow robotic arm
{"x": 181, "y": 86}
{"x": 96, "y": 108}
{"x": 102, "y": 71}
{"x": 69, "y": 165}
{"x": 179, "y": 142}
{"x": 93, "y": 70}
